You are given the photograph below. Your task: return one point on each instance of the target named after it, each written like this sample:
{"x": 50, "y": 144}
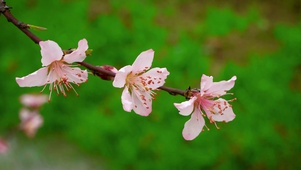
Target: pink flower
{"x": 206, "y": 99}
{"x": 57, "y": 70}
{"x": 31, "y": 121}
{"x": 139, "y": 83}
{"x": 33, "y": 100}
{"x": 3, "y": 146}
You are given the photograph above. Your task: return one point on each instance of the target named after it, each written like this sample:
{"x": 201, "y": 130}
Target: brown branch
{"x": 23, "y": 27}
{"x": 109, "y": 75}
{"x": 97, "y": 70}
{"x": 174, "y": 91}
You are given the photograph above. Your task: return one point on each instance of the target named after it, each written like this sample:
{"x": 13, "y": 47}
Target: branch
{"x": 97, "y": 70}
{"x": 174, "y": 91}
{"x": 4, "y": 9}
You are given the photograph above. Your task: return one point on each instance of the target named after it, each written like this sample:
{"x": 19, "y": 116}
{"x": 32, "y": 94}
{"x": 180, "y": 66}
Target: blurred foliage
{"x": 265, "y": 133}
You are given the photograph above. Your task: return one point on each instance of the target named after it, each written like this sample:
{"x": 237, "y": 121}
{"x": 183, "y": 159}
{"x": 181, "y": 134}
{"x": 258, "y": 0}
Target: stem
{"x": 4, "y": 9}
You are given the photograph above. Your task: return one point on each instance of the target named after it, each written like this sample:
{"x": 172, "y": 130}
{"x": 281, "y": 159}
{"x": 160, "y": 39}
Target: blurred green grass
{"x": 189, "y": 38}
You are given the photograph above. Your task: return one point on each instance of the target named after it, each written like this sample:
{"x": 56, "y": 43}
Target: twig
{"x": 4, "y": 9}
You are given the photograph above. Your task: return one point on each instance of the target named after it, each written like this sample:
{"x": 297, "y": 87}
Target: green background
{"x": 259, "y": 42}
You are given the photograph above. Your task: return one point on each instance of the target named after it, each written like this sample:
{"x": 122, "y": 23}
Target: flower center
{"x": 137, "y": 82}
{"x": 138, "y": 85}
{"x": 58, "y": 73}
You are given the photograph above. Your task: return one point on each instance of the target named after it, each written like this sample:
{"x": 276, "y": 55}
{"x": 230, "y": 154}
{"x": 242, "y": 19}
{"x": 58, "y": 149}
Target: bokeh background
{"x": 258, "y": 41}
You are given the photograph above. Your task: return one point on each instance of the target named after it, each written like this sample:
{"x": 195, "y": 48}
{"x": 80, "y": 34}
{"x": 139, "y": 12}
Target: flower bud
{"x": 108, "y": 68}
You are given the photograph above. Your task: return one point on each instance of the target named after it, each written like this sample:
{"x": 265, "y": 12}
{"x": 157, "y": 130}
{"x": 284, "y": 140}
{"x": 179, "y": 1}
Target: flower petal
{"x": 155, "y": 77}
{"x": 3, "y": 146}
{"x": 186, "y": 108}
{"x": 220, "y": 110}
{"x": 30, "y": 121}
{"x": 79, "y": 54}
{"x": 142, "y": 102}
{"x": 33, "y": 100}
{"x": 50, "y": 52}
{"x": 25, "y": 114}
{"x": 143, "y": 61}
{"x": 126, "y": 100}
{"x": 75, "y": 75}
{"x": 120, "y": 77}
{"x": 37, "y": 78}
{"x": 206, "y": 83}
{"x": 216, "y": 89}
{"x": 224, "y": 112}
{"x": 194, "y": 126}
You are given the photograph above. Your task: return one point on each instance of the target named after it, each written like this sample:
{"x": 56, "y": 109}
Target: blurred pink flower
{"x": 3, "y": 146}
{"x": 139, "y": 83}
{"x": 33, "y": 100}
{"x": 206, "y": 99}
{"x": 57, "y": 70}
{"x": 31, "y": 121}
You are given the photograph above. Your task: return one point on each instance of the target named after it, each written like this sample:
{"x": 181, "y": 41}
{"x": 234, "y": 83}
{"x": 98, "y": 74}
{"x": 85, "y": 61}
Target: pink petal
{"x": 37, "y": 78}
{"x": 143, "y": 61}
{"x": 3, "y": 146}
{"x": 227, "y": 112}
{"x": 121, "y": 75}
{"x": 33, "y": 100}
{"x": 75, "y": 75}
{"x": 30, "y": 121}
{"x": 25, "y": 114}
{"x": 126, "y": 100}
{"x": 221, "y": 111}
{"x": 155, "y": 77}
{"x": 186, "y": 108}
{"x": 50, "y": 52}
{"x": 194, "y": 126}
{"x": 79, "y": 54}
{"x": 142, "y": 102}
{"x": 216, "y": 89}
{"x": 206, "y": 82}
{"x": 53, "y": 75}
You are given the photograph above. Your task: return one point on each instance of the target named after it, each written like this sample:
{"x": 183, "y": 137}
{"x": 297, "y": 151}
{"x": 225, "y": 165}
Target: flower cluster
{"x": 31, "y": 120}
{"x": 206, "y": 99}
{"x": 139, "y": 81}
